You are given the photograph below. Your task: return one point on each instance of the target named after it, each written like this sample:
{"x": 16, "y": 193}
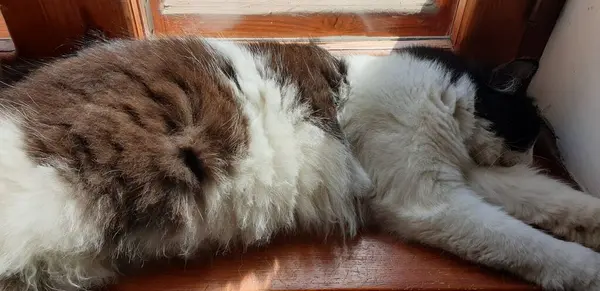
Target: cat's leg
{"x": 541, "y": 201}
{"x": 458, "y": 221}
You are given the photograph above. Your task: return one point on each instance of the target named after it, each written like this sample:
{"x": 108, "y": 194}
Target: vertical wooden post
{"x": 540, "y": 25}
{"x": 50, "y": 28}
{"x": 497, "y": 31}
{"x": 490, "y": 30}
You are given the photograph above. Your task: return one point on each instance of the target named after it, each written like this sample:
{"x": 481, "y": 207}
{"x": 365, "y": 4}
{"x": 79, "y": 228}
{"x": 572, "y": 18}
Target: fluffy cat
{"x": 133, "y": 150}
{"x": 430, "y": 130}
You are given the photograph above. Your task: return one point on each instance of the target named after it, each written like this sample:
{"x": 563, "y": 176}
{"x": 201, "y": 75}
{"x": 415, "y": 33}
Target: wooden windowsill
{"x": 361, "y": 45}
{"x": 370, "y": 262}
{"x": 379, "y": 47}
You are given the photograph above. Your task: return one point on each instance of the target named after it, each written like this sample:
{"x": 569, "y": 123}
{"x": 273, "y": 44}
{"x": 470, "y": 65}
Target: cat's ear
{"x": 513, "y": 76}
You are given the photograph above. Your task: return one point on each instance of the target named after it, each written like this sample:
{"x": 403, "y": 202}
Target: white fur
{"x": 540, "y": 200}
{"x": 40, "y": 221}
{"x": 293, "y": 170}
{"x": 414, "y": 131}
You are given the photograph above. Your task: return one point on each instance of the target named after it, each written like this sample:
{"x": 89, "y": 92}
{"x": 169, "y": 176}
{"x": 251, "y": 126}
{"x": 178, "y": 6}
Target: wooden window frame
{"x": 492, "y": 31}
{"x": 307, "y": 25}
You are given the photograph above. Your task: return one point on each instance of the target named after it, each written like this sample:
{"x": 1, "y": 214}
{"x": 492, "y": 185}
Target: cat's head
{"x": 512, "y": 114}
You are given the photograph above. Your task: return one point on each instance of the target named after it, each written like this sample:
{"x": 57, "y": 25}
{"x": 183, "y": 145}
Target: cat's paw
{"x": 576, "y": 272}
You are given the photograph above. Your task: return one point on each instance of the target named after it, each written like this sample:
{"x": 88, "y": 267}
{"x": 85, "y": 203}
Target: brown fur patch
{"x": 318, "y": 75}
{"x": 142, "y": 126}
{"x": 144, "y": 131}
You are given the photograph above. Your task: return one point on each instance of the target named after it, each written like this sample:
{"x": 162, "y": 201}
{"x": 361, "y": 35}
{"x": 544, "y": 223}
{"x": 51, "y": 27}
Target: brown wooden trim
{"x": 497, "y": 31}
{"x": 50, "y": 28}
{"x": 370, "y": 262}
{"x": 490, "y": 30}
{"x": 539, "y": 27}
{"x": 462, "y": 20}
{"x": 135, "y": 13}
{"x": 3, "y": 29}
{"x": 310, "y": 25}
{"x": 158, "y": 21}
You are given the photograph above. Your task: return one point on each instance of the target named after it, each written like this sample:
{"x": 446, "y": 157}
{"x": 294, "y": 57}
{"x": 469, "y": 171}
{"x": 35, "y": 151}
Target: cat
{"x": 448, "y": 149}
{"x": 133, "y": 150}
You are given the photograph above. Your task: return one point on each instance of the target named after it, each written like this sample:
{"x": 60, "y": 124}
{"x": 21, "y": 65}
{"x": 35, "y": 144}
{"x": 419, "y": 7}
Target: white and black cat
{"x": 501, "y": 100}
{"x": 430, "y": 132}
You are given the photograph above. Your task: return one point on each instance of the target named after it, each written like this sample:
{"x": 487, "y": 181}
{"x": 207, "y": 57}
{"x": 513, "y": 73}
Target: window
{"x": 490, "y": 30}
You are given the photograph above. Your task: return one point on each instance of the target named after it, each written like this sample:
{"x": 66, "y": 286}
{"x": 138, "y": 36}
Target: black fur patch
{"x": 193, "y": 163}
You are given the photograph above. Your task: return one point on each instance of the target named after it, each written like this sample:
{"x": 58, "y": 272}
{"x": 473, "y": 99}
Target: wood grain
{"x": 306, "y": 25}
{"x": 371, "y": 262}
{"x": 497, "y": 31}
{"x": 3, "y": 29}
{"x": 50, "y": 28}
{"x": 490, "y": 30}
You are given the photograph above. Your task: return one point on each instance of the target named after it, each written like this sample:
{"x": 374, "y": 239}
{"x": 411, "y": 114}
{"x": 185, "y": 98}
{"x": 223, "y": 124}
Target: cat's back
{"x": 120, "y": 114}
{"x": 402, "y": 92}
{"x": 402, "y": 107}
{"x": 200, "y": 139}
{"x": 403, "y": 82}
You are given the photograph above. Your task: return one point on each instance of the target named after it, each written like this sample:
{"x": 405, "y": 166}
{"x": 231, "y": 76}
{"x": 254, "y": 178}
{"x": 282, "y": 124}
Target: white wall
{"x": 568, "y": 89}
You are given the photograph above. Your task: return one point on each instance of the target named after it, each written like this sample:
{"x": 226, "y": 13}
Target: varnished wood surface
{"x": 3, "y": 29}
{"x": 371, "y": 262}
{"x": 490, "y": 30}
{"x": 497, "y": 31}
{"x": 50, "y": 28}
{"x": 306, "y": 25}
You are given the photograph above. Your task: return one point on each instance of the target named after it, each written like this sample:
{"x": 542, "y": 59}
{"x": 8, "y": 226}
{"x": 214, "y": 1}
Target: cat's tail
{"x": 540, "y": 200}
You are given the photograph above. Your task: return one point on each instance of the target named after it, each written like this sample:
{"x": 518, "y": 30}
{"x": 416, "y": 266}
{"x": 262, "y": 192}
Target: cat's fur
{"x": 502, "y": 104}
{"x": 416, "y": 123}
{"x": 133, "y": 150}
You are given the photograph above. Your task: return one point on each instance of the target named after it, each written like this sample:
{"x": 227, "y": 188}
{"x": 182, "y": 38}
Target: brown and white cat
{"x": 142, "y": 149}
